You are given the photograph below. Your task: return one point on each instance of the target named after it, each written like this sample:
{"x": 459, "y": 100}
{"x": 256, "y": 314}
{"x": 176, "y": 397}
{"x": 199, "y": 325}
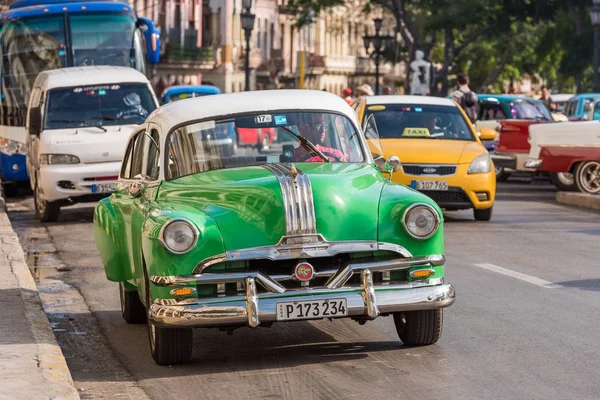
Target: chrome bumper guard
{"x": 252, "y": 309}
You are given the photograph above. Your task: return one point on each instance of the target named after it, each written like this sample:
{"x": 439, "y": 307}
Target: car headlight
{"x": 421, "y": 221}
{"x": 11, "y": 147}
{"x": 179, "y": 236}
{"x": 53, "y": 159}
{"x": 480, "y": 165}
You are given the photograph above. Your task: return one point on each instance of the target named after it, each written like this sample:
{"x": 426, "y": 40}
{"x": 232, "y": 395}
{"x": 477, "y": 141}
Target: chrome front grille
{"x": 429, "y": 169}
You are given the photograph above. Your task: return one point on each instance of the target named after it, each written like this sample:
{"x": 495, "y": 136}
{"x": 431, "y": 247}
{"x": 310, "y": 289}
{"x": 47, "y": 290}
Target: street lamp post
{"x": 595, "y": 15}
{"x": 248, "y": 26}
{"x": 379, "y": 43}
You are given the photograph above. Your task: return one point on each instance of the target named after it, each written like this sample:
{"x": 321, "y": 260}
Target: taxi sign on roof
{"x": 415, "y": 132}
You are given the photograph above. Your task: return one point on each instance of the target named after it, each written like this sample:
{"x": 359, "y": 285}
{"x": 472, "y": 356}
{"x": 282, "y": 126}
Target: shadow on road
{"x": 592, "y": 285}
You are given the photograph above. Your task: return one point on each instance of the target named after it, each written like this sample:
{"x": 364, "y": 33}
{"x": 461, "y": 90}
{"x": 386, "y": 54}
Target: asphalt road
{"x": 524, "y": 326}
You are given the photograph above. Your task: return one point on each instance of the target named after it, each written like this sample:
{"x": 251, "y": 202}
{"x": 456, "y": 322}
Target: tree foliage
{"x": 492, "y": 40}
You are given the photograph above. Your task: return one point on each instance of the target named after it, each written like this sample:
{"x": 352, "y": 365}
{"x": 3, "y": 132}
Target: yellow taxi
{"x": 440, "y": 152}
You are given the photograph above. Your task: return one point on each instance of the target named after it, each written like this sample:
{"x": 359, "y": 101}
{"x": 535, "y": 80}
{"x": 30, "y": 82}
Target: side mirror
{"x": 487, "y": 134}
{"x": 152, "y": 40}
{"x": 136, "y": 189}
{"x": 35, "y": 121}
{"x": 392, "y": 164}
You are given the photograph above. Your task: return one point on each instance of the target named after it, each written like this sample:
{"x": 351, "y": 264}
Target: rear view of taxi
{"x": 441, "y": 155}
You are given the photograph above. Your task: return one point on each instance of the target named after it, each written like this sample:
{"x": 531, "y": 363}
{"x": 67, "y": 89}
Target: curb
{"x": 51, "y": 363}
{"x": 579, "y": 199}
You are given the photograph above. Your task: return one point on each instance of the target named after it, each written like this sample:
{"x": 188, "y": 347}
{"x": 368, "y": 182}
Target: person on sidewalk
{"x": 466, "y": 98}
{"x": 347, "y": 95}
{"x": 547, "y": 100}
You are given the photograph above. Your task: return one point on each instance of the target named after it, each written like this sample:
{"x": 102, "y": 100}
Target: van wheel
{"x": 46, "y": 211}
{"x": 563, "y": 180}
{"x": 419, "y": 328}
{"x": 168, "y": 346}
{"x": 132, "y": 308}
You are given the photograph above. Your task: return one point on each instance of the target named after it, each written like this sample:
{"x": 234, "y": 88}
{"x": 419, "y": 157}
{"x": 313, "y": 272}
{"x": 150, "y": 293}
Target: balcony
{"x": 177, "y": 53}
{"x": 342, "y": 64}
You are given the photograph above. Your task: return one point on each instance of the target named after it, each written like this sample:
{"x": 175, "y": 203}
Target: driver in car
{"x": 134, "y": 106}
{"x": 314, "y": 128}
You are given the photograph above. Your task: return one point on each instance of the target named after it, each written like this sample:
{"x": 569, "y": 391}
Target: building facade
{"x": 202, "y": 41}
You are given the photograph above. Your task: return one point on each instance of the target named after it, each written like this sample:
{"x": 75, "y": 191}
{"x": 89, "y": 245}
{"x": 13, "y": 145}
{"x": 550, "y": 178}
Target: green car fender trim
{"x": 159, "y": 260}
{"x": 394, "y": 201}
{"x": 109, "y": 235}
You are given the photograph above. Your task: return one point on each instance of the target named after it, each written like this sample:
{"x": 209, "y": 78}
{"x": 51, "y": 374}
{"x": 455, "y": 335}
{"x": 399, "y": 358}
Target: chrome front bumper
{"x": 366, "y": 300}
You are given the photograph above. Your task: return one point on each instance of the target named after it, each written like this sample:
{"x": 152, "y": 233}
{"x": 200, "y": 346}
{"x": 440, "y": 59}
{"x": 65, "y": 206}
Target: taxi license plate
{"x": 429, "y": 185}
{"x": 295, "y": 310}
{"x": 102, "y": 187}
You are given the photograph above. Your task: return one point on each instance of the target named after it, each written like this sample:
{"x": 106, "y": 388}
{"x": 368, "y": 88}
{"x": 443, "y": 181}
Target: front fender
{"x": 394, "y": 200}
{"x": 110, "y": 239}
{"x": 160, "y": 261}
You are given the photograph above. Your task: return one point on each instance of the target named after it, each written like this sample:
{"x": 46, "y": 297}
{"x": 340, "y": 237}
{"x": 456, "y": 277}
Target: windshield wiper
{"x": 307, "y": 143}
{"x": 78, "y": 121}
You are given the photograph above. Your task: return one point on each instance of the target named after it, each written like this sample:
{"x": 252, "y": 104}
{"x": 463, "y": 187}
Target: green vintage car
{"x": 313, "y": 228}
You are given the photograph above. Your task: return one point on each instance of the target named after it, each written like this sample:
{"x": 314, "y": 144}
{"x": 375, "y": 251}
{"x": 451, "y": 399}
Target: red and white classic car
{"x": 569, "y": 147}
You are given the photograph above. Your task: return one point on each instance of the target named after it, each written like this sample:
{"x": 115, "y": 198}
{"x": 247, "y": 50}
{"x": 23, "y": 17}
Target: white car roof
{"x": 407, "y": 99}
{"x": 561, "y": 96}
{"x": 92, "y": 75}
{"x": 221, "y": 105}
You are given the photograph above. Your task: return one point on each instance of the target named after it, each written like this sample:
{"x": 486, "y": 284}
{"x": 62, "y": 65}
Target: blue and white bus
{"x": 37, "y": 35}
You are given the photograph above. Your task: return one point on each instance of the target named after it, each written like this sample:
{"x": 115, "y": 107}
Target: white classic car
{"x": 569, "y": 147}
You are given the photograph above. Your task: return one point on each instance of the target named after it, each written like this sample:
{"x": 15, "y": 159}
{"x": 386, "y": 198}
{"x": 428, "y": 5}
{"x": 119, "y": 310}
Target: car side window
{"x": 126, "y": 167}
{"x": 490, "y": 111}
{"x": 151, "y": 151}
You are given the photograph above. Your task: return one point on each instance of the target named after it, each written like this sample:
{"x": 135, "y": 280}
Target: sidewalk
{"x": 32, "y": 365}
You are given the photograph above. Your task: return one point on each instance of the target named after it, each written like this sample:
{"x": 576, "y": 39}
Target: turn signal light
{"x": 422, "y": 273}
{"x": 183, "y": 291}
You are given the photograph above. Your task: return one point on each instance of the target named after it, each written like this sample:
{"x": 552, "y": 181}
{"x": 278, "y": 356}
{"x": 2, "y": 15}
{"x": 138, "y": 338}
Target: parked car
{"x": 511, "y": 116}
{"x": 561, "y": 100}
{"x": 78, "y": 122}
{"x": 578, "y": 106}
{"x": 441, "y": 153}
{"x": 181, "y": 92}
{"x": 571, "y": 147}
{"x": 314, "y": 230}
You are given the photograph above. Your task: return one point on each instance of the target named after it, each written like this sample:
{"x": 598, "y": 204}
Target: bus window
{"x": 105, "y": 39}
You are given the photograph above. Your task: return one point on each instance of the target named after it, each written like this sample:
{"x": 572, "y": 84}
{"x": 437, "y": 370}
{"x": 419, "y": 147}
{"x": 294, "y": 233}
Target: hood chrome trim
{"x": 297, "y": 197}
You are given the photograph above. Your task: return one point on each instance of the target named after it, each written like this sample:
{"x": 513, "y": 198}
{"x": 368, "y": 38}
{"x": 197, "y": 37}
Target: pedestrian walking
{"x": 465, "y": 97}
{"x": 347, "y": 95}
{"x": 547, "y": 100}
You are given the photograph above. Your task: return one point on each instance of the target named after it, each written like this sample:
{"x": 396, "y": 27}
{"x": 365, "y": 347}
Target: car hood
{"x": 248, "y": 204}
{"x": 90, "y": 144}
{"x": 432, "y": 151}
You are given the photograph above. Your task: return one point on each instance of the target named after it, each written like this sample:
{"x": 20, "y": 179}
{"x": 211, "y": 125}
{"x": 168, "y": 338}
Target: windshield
{"x": 419, "y": 121}
{"x": 187, "y": 95}
{"x": 99, "y": 105}
{"x": 527, "y": 109}
{"x": 258, "y": 139}
{"x": 29, "y": 46}
{"x": 106, "y": 39}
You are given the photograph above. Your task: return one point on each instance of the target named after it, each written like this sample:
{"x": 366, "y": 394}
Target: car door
{"x": 146, "y": 168}
{"x": 123, "y": 202}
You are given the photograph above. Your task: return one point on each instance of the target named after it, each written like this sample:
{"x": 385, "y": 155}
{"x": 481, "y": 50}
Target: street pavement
{"x": 524, "y": 326}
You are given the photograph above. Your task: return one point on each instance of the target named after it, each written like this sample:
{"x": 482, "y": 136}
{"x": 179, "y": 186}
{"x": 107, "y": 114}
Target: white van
{"x": 78, "y": 123}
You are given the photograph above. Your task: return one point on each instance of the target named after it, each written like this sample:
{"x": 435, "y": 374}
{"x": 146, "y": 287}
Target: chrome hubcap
{"x": 566, "y": 178}
{"x": 589, "y": 177}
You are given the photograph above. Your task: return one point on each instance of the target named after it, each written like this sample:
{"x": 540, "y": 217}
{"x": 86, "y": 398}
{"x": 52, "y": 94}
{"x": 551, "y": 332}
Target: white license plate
{"x": 429, "y": 185}
{"x": 102, "y": 187}
{"x": 295, "y": 310}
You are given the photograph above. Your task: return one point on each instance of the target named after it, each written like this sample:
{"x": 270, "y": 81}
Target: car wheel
{"x": 168, "y": 346}
{"x": 587, "y": 177}
{"x": 10, "y": 190}
{"x": 46, "y": 211}
{"x": 563, "y": 180}
{"x": 419, "y": 328}
{"x": 483, "y": 214}
{"x": 132, "y": 308}
{"x": 501, "y": 174}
